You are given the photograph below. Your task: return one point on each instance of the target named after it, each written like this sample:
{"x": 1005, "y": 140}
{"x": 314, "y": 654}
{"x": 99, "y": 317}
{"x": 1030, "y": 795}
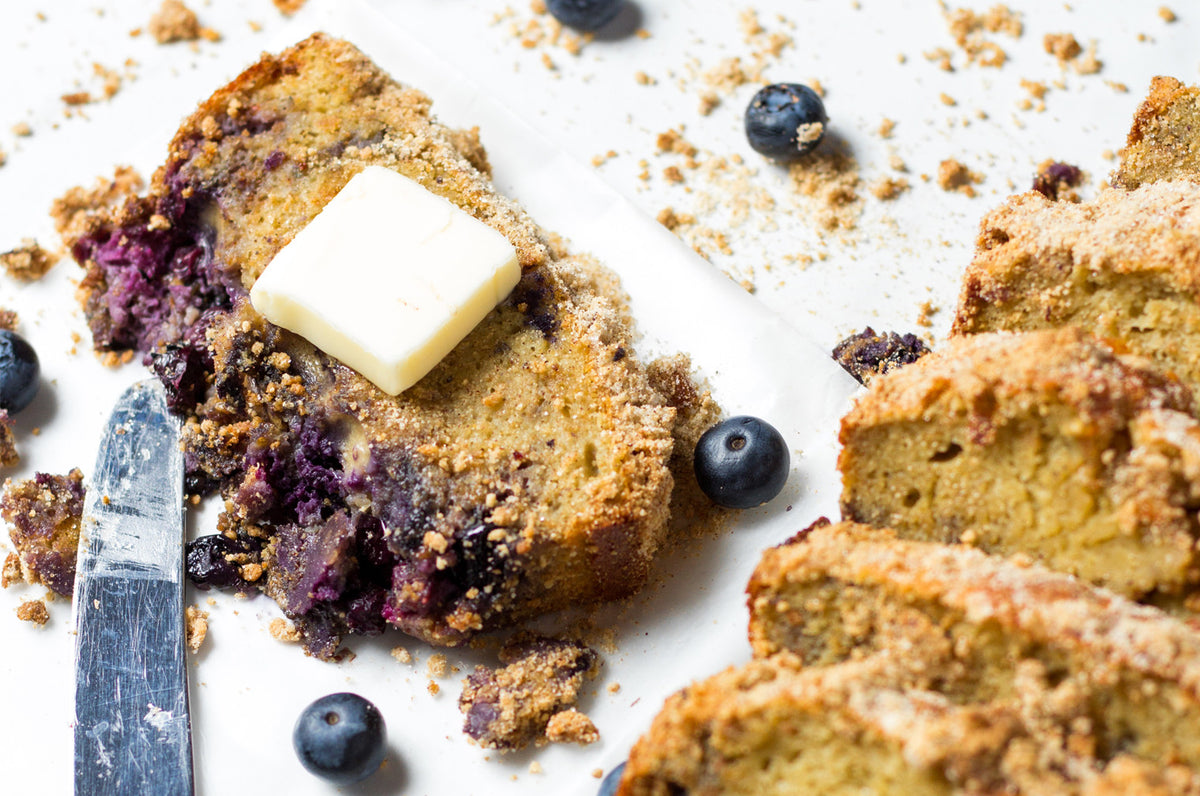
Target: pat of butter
{"x": 388, "y": 278}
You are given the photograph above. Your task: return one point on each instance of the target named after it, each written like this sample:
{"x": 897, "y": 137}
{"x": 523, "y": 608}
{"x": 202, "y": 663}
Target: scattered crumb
{"x": 33, "y": 611}
{"x": 947, "y": 99}
{"x": 600, "y": 160}
{"x": 282, "y": 629}
{"x": 1166, "y": 14}
{"x": 433, "y": 688}
{"x": 22, "y": 129}
{"x": 886, "y": 127}
{"x": 597, "y": 773}
{"x": 289, "y": 7}
{"x": 614, "y": 688}
{"x": 954, "y": 176}
{"x": 437, "y": 666}
{"x": 970, "y": 31}
{"x": 1062, "y": 46}
{"x": 644, "y": 79}
{"x": 535, "y": 767}
{"x": 1089, "y": 64}
{"x": 886, "y": 189}
{"x": 29, "y": 262}
{"x": 174, "y": 22}
{"x": 197, "y": 627}
{"x": 9, "y": 320}
{"x": 927, "y": 311}
{"x": 402, "y": 655}
{"x": 571, "y": 726}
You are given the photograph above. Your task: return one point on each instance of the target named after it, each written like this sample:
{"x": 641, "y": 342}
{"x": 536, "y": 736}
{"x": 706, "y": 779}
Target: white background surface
{"x": 247, "y": 688}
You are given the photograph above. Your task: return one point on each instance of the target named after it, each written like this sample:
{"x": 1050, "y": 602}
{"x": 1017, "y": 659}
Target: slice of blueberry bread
{"x": 1124, "y": 266}
{"x": 1164, "y": 141}
{"x": 1079, "y": 663}
{"x": 1045, "y": 443}
{"x": 528, "y": 472}
{"x": 769, "y": 729}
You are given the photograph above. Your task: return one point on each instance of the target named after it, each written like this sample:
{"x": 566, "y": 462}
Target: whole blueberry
{"x": 19, "y": 372}
{"x": 785, "y": 121}
{"x": 609, "y": 786}
{"x": 586, "y": 15}
{"x": 741, "y": 462}
{"x": 341, "y": 737}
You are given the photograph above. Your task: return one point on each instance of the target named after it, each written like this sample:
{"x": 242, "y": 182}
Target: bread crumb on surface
{"x": 886, "y": 189}
{"x": 174, "y": 22}
{"x": 289, "y": 7}
{"x": 437, "y": 666}
{"x": 282, "y": 629}
{"x": 1166, "y": 14}
{"x": 33, "y": 611}
{"x": 886, "y": 127}
{"x": 433, "y": 688}
{"x": 571, "y": 726}
{"x": 197, "y": 627}
{"x": 954, "y": 176}
{"x": 28, "y": 262}
{"x": 402, "y": 655}
{"x": 22, "y": 129}
{"x": 535, "y": 767}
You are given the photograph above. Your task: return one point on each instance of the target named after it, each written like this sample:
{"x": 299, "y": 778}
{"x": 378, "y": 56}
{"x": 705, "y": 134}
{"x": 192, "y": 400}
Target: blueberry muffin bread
{"x": 1164, "y": 141}
{"x": 1080, "y": 664}
{"x": 768, "y": 728}
{"x": 1125, "y": 266}
{"x": 528, "y": 472}
{"x": 1043, "y": 443}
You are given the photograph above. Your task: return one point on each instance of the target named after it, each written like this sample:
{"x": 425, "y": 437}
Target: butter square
{"x": 388, "y": 278}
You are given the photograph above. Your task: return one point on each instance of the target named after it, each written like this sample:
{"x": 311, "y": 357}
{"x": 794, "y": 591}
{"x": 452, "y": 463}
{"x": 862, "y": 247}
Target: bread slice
{"x": 528, "y": 472}
{"x": 769, "y": 729}
{"x": 1125, "y": 267}
{"x": 1164, "y": 141}
{"x": 1079, "y": 663}
{"x": 1045, "y": 443}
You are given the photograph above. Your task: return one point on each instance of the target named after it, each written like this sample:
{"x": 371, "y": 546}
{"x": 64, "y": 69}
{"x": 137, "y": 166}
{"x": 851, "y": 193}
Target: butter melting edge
{"x": 388, "y": 278}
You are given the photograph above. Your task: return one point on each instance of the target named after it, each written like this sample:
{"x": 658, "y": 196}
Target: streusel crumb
{"x": 33, "y": 611}
{"x": 571, "y": 726}
{"x": 283, "y": 630}
{"x": 28, "y": 262}
{"x": 174, "y": 22}
{"x": 197, "y": 627}
{"x": 954, "y": 176}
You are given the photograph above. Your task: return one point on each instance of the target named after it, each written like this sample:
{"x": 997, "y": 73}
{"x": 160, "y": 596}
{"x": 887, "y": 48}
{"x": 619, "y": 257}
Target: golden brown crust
{"x": 1028, "y": 443}
{"x": 1163, "y": 143}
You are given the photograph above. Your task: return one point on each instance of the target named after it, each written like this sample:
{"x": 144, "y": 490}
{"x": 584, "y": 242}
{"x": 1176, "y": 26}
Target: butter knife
{"x": 132, "y": 726}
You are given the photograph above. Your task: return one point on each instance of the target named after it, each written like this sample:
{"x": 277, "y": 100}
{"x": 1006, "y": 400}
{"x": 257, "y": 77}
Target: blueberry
{"x": 341, "y": 737}
{"x": 741, "y": 462}
{"x": 19, "y": 371}
{"x": 785, "y": 121}
{"x": 609, "y": 786}
{"x": 586, "y": 15}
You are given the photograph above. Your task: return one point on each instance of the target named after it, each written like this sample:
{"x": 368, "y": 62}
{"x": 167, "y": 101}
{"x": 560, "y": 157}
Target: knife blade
{"x": 132, "y": 725}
